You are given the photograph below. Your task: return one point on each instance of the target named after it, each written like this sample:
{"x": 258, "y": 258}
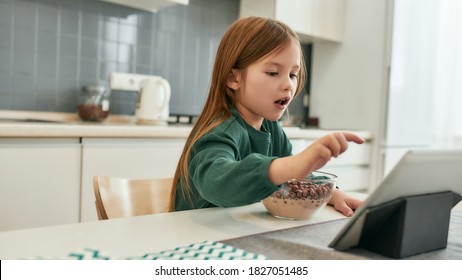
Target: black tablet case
{"x": 409, "y": 225}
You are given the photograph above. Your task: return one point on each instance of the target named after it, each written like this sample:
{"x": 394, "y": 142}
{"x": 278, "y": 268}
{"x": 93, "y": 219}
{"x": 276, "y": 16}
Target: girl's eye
{"x": 293, "y": 76}
{"x": 272, "y": 74}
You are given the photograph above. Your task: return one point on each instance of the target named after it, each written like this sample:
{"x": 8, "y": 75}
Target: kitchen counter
{"x": 66, "y": 125}
{"x": 90, "y": 130}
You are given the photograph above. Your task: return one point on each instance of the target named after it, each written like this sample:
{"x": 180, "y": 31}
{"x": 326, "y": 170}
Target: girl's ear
{"x": 233, "y": 81}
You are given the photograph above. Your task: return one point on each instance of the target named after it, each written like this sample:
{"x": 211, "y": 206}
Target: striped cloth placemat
{"x": 206, "y": 250}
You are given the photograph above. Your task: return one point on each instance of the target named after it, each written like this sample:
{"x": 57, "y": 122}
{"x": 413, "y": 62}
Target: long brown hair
{"x": 246, "y": 41}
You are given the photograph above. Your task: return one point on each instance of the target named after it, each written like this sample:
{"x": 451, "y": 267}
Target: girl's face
{"x": 268, "y": 85}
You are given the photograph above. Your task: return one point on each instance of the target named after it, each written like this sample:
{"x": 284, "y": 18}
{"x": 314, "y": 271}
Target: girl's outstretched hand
{"x": 311, "y": 158}
{"x": 344, "y": 203}
{"x": 331, "y": 145}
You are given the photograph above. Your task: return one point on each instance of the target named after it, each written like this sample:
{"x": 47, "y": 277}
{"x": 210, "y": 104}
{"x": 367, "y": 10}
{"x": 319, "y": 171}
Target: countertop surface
{"x": 49, "y": 124}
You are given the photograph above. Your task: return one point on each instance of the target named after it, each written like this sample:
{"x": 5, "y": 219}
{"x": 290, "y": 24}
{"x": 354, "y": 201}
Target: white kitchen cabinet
{"x": 126, "y": 158}
{"x": 313, "y": 20}
{"x": 148, "y": 5}
{"x": 352, "y": 167}
{"x": 39, "y": 184}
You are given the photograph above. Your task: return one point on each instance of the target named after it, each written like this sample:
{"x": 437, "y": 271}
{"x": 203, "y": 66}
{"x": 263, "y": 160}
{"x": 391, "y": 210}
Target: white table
{"x": 132, "y": 237}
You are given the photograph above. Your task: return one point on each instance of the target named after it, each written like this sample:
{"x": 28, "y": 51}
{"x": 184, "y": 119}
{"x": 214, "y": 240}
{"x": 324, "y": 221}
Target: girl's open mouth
{"x": 283, "y": 101}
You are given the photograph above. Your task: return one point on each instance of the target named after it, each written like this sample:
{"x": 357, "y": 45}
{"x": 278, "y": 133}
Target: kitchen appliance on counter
{"x": 153, "y": 101}
{"x": 154, "y": 93}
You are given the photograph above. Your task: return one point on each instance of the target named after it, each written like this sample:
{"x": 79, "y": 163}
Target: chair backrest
{"x": 119, "y": 197}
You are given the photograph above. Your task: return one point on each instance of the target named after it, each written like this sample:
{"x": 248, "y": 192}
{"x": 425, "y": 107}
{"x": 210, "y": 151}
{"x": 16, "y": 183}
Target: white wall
{"x": 349, "y": 80}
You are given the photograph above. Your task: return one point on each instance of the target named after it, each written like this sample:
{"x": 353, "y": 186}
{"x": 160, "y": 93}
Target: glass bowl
{"x": 302, "y": 199}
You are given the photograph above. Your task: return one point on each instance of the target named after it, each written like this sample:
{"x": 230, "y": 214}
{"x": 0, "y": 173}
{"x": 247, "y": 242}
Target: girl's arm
{"x": 313, "y": 158}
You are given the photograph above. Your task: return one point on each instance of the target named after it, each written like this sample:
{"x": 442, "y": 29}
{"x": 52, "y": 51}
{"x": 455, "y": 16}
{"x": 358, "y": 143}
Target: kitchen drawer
{"x": 39, "y": 185}
{"x": 350, "y": 178}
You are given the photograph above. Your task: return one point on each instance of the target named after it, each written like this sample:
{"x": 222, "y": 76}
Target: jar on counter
{"x": 93, "y": 103}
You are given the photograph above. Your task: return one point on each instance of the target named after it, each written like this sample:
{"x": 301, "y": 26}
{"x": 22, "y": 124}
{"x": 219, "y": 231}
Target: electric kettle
{"x": 153, "y": 101}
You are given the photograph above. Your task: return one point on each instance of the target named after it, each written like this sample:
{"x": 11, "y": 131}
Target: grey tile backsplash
{"x": 49, "y": 49}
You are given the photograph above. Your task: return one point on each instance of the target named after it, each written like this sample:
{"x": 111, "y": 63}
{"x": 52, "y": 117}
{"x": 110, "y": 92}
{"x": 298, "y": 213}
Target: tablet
{"x": 419, "y": 172}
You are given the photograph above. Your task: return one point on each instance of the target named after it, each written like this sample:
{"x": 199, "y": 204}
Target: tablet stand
{"x": 409, "y": 225}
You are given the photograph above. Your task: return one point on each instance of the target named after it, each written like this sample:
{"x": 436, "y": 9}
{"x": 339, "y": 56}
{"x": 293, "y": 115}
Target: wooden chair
{"x": 119, "y": 197}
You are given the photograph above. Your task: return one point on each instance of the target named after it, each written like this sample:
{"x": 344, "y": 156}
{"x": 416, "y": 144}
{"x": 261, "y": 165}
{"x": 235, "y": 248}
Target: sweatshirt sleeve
{"x": 225, "y": 179}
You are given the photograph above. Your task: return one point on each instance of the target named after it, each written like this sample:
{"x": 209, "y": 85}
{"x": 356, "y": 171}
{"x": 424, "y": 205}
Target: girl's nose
{"x": 288, "y": 84}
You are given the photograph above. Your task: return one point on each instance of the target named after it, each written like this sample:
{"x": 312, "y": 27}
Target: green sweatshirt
{"x": 229, "y": 165}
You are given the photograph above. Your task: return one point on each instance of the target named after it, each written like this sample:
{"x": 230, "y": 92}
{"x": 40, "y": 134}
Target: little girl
{"x": 237, "y": 152}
